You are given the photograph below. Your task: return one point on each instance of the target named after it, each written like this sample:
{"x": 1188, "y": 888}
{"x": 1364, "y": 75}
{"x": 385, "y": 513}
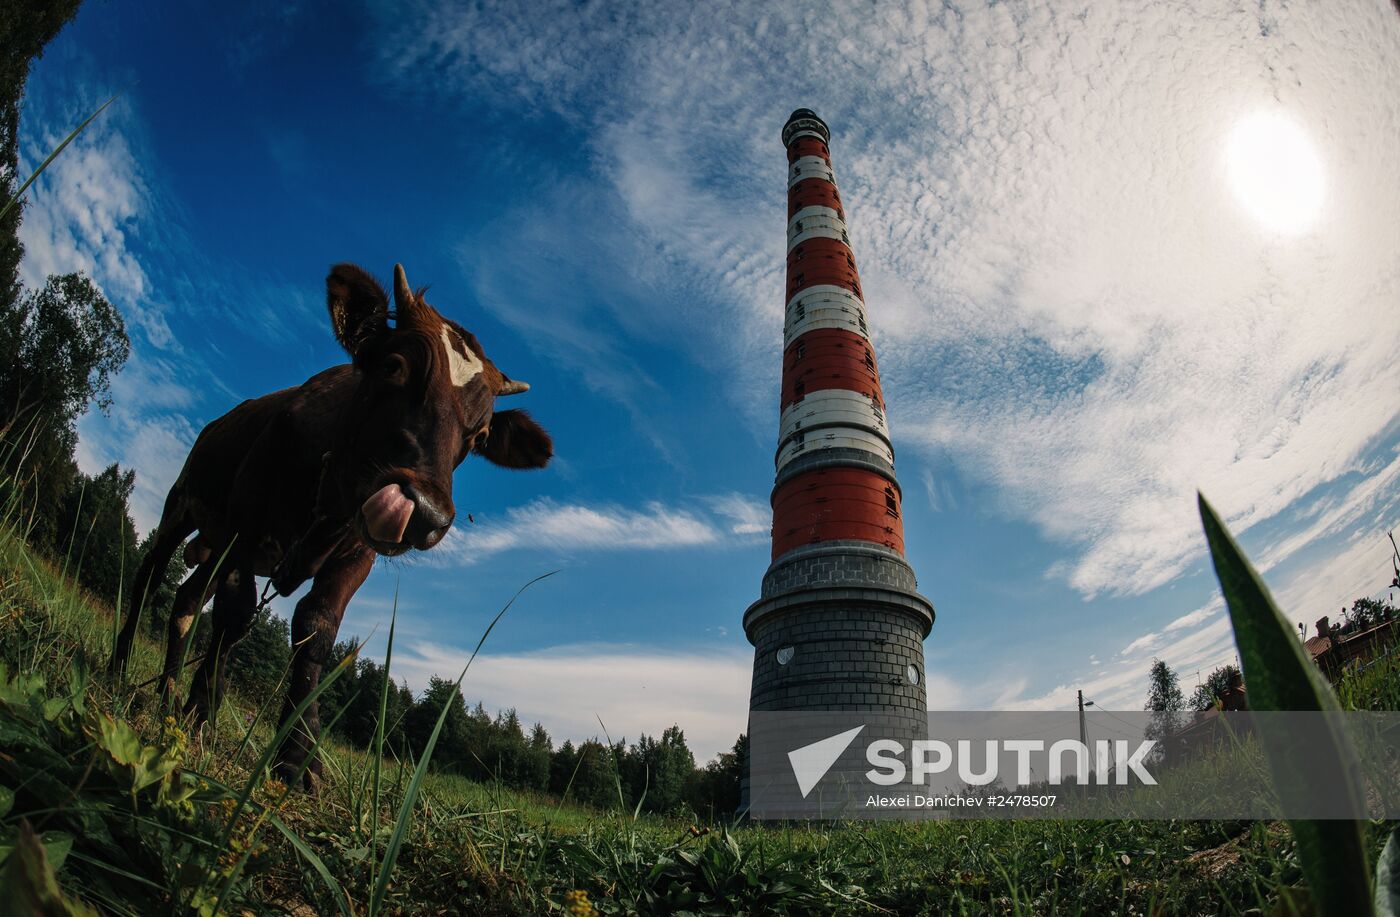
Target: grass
{"x": 137, "y": 816}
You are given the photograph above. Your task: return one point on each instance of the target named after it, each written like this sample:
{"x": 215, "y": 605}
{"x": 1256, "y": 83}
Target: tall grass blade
{"x": 309, "y": 855}
{"x": 405, "y": 819}
{"x": 1280, "y": 677}
{"x": 291, "y": 722}
{"x": 52, "y": 156}
{"x": 379, "y": 730}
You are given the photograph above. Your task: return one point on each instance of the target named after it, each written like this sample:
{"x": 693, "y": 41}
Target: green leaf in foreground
{"x": 1280, "y": 677}
{"x": 28, "y": 884}
{"x": 1388, "y": 878}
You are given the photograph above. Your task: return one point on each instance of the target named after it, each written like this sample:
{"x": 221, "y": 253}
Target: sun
{"x": 1275, "y": 172}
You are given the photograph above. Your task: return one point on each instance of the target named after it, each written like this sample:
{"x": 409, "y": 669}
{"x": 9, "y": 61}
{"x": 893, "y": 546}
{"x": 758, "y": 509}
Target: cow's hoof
{"x": 287, "y": 771}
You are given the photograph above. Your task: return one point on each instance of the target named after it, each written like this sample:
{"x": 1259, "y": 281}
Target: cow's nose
{"x": 430, "y": 521}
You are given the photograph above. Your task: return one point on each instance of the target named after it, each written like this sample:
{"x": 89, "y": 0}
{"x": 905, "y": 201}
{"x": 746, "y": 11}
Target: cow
{"x": 316, "y": 481}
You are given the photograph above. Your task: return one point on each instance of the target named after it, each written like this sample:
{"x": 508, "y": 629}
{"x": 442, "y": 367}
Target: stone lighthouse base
{"x": 840, "y": 627}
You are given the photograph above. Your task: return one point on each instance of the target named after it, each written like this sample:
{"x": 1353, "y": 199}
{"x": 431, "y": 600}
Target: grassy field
{"x": 138, "y": 817}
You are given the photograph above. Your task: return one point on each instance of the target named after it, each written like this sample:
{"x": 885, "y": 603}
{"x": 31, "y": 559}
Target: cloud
{"x": 1372, "y": 495}
{"x": 745, "y": 515}
{"x": 1141, "y": 643}
{"x": 84, "y": 210}
{"x": 545, "y": 524}
{"x": 1189, "y": 620}
{"x": 1069, "y": 303}
{"x": 1192, "y": 618}
{"x": 1122, "y": 683}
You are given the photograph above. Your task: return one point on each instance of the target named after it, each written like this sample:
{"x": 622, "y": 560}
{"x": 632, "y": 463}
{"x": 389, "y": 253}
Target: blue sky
{"x": 1094, "y": 288}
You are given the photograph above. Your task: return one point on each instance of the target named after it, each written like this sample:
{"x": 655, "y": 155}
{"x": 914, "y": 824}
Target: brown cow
{"x": 314, "y": 481}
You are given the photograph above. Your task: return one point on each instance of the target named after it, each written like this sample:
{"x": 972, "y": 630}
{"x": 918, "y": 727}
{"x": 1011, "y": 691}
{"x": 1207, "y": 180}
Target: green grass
{"x": 182, "y": 843}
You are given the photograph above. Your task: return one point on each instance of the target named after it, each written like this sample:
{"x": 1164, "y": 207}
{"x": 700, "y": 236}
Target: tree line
{"x": 655, "y": 774}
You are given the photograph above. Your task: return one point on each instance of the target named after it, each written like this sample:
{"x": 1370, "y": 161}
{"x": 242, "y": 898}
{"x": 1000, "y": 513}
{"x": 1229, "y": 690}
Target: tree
{"x": 536, "y": 774}
{"x": 1215, "y": 685}
{"x": 1164, "y": 701}
{"x": 94, "y": 534}
{"x": 452, "y": 751}
{"x": 59, "y": 348}
{"x": 595, "y": 782}
{"x": 561, "y": 768}
{"x": 660, "y": 771}
{"x": 259, "y": 661}
{"x": 156, "y": 613}
{"x": 1367, "y": 612}
{"x": 717, "y": 787}
{"x": 337, "y": 698}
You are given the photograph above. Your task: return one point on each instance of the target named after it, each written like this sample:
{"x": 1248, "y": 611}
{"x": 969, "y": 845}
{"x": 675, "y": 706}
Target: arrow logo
{"x": 811, "y": 762}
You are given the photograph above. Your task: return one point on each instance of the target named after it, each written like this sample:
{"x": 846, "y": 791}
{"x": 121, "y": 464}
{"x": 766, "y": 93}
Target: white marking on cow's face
{"x": 463, "y": 363}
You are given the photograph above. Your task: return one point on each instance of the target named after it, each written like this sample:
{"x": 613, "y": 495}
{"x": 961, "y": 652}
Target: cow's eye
{"x": 479, "y": 440}
{"x": 395, "y": 369}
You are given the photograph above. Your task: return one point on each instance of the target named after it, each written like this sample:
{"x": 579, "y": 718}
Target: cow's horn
{"x": 403, "y": 294}
{"x": 514, "y": 387}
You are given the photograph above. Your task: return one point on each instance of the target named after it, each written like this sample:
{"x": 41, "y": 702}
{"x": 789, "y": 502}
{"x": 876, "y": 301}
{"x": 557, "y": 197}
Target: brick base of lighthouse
{"x": 840, "y": 627}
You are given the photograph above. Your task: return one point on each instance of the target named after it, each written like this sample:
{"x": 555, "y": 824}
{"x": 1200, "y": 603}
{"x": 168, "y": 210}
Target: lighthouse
{"x": 839, "y": 624}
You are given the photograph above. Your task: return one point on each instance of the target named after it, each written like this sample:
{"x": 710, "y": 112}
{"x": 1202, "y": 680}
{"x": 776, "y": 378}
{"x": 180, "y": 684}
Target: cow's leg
{"x": 192, "y": 596}
{"x": 171, "y": 533}
{"x": 314, "y": 626}
{"x": 235, "y": 604}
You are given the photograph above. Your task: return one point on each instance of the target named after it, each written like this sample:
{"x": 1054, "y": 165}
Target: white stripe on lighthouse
{"x": 810, "y": 167}
{"x": 816, "y": 222}
{"x": 833, "y": 406}
{"x": 833, "y": 438}
{"x": 824, "y": 306}
{"x": 797, "y": 134}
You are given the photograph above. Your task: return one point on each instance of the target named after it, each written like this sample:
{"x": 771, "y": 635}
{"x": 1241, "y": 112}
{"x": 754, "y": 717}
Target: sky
{"x": 1112, "y": 253}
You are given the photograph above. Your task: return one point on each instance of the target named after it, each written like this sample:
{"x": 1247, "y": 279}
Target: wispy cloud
{"x": 83, "y": 212}
{"x": 545, "y": 524}
{"x": 745, "y": 515}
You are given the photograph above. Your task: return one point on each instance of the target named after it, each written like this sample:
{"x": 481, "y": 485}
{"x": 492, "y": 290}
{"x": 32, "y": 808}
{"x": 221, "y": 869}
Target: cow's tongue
{"x": 387, "y": 513}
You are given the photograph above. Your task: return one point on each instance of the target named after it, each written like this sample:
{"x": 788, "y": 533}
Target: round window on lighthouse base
{"x": 912, "y": 671}
{"x": 785, "y": 654}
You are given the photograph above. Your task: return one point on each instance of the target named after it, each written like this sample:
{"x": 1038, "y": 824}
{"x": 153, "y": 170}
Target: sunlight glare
{"x": 1275, "y": 172}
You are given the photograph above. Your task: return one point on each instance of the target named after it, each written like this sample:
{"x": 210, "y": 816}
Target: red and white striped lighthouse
{"x": 840, "y": 624}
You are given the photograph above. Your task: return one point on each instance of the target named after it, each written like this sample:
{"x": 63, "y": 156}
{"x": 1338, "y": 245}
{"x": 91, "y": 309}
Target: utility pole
{"x": 1083, "y": 728}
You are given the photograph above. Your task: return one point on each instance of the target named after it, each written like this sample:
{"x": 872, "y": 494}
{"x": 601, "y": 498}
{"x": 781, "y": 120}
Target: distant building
{"x": 1338, "y": 649}
{"x": 1207, "y": 728}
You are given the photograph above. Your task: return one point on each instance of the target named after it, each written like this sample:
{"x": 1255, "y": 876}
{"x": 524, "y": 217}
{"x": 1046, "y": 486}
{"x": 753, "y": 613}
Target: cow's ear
{"x": 516, "y": 441}
{"x": 358, "y": 305}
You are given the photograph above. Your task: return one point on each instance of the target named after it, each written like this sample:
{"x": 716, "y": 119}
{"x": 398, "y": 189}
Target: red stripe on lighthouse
{"x": 819, "y": 261}
{"x": 830, "y": 358}
{"x": 836, "y": 504}
{"x": 808, "y": 146}
{"x": 814, "y": 192}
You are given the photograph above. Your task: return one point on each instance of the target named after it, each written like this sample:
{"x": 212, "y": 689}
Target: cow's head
{"x": 425, "y": 399}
